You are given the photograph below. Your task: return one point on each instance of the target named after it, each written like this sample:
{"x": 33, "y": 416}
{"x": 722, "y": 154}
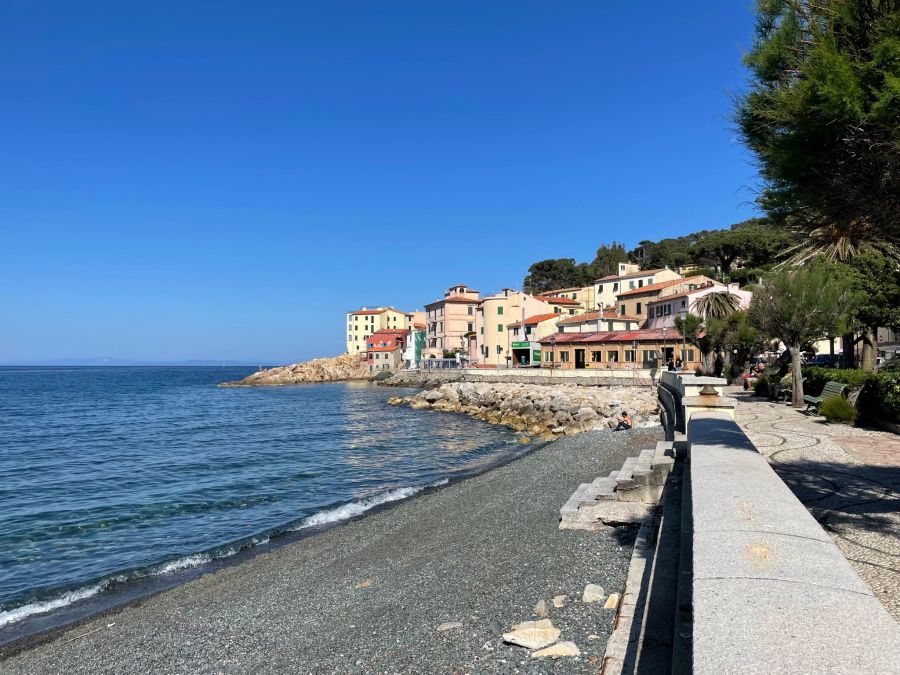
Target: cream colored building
{"x": 493, "y": 338}
{"x": 629, "y": 278}
{"x": 584, "y": 296}
{"x": 363, "y": 322}
{"x": 561, "y": 304}
{"x": 450, "y": 322}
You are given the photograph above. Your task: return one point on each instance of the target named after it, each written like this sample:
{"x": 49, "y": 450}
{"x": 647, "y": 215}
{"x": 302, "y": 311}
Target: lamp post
{"x": 683, "y": 316}
{"x": 665, "y": 332}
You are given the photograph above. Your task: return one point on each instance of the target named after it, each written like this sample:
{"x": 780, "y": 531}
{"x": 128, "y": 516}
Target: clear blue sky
{"x": 224, "y": 180}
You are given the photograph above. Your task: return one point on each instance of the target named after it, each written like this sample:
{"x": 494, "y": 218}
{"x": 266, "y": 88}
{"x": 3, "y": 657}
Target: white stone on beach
{"x": 449, "y": 625}
{"x": 559, "y": 601}
{"x": 593, "y": 593}
{"x": 557, "y": 650}
{"x": 612, "y": 601}
{"x": 533, "y": 634}
{"x": 540, "y": 609}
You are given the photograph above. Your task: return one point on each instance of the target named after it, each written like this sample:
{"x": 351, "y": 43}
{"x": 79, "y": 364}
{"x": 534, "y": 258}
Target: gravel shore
{"x": 369, "y": 595}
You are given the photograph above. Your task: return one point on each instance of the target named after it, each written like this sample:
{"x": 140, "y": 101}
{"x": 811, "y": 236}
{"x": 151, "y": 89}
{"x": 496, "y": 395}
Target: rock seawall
{"x": 334, "y": 369}
{"x": 539, "y": 410}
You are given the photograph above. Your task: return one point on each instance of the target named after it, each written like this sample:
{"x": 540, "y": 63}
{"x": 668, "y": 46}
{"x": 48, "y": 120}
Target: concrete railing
{"x": 770, "y": 591}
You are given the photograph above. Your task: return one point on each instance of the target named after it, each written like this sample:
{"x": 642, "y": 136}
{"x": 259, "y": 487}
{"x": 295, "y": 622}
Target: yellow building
{"x": 629, "y": 278}
{"x": 584, "y": 296}
{"x": 363, "y": 322}
{"x": 596, "y": 322}
{"x": 561, "y": 304}
{"x": 493, "y": 338}
{"x": 634, "y": 302}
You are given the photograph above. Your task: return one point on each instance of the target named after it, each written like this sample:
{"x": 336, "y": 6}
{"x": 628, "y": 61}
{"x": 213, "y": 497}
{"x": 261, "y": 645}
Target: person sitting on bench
{"x": 626, "y": 422}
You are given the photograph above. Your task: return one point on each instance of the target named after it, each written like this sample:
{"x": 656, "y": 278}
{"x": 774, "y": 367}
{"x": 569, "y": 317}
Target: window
{"x": 615, "y": 287}
{"x": 596, "y": 357}
{"x": 687, "y": 356}
{"x": 668, "y": 308}
{"x": 623, "y": 310}
{"x": 649, "y": 355}
{"x": 557, "y": 310}
{"x": 631, "y": 285}
{"x": 600, "y": 288}
{"x": 609, "y": 325}
{"x": 639, "y": 308}
{"x": 650, "y": 311}
{"x": 481, "y": 330}
{"x": 659, "y": 310}
{"x": 516, "y": 331}
{"x": 499, "y": 327}
{"x": 629, "y": 356}
{"x": 612, "y": 356}
{"x": 640, "y": 283}
{"x": 564, "y": 357}
{"x": 471, "y": 310}
{"x": 527, "y": 330}
{"x": 441, "y": 326}
{"x": 499, "y": 349}
{"x": 499, "y": 311}
{"x": 682, "y": 304}
{"x": 548, "y": 357}
{"x": 574, "y": 296}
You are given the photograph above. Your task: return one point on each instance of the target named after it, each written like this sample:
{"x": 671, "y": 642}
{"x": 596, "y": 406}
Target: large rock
{"x": 336, "y": 369}
{"x": 533, "y": 634}
{"x": 557, "y": 650}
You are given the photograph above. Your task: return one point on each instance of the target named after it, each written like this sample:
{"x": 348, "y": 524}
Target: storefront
{"x": 526, "y": 354}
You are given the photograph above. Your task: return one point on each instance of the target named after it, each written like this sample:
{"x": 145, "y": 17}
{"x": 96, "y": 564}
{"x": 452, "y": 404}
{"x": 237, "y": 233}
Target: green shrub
{"x": 838, "y": 409}
{"x": 880, "y": 398}
{"x": 816, "y": 377}
{"x": 761, "y": 387}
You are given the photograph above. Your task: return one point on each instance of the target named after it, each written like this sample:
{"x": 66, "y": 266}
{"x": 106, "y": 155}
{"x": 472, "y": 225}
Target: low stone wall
{"x": 536, "y": 409}
{"x": 538, "y": 376}
{"x": 771, "y": 590}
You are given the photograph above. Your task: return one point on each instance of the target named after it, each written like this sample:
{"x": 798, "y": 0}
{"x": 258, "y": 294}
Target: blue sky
{"x": 192, "y": 180}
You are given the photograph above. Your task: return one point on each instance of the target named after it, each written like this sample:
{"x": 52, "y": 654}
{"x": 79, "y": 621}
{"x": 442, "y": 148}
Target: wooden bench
{"x": 831, "y": 390}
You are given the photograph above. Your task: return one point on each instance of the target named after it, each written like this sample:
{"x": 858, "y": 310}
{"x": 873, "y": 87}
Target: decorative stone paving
{"x": 848, "y": 478}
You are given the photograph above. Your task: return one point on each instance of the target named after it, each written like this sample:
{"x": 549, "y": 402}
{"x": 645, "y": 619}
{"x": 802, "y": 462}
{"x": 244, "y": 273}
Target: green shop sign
{"x": 521, "y": 345}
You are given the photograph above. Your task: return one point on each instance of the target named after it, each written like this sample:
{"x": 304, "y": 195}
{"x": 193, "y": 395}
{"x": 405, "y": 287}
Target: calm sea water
{"x": 114, "y": 474}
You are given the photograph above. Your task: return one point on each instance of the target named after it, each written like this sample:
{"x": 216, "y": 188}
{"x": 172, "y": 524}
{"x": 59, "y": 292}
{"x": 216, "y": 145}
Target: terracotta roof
{"x": 420, "y": 325}
{"x": 556, "y": 301}
{"x": 392, "y": 348}
{"x": 609, "y": 315}
{"x": 457, "y": 299}
{"x": 641, "y": 273}
{"x": 563, "y": 290}
{"x": 380, "y": 310}
{"x": 664, "y": 285}
{"x": 390, "y": 331}
{"x": 536, "y": 319}
{"x": 612, "y": 336}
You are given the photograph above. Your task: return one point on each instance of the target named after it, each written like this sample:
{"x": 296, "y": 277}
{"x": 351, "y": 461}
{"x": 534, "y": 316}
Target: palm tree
{"x": 717, "y": 305}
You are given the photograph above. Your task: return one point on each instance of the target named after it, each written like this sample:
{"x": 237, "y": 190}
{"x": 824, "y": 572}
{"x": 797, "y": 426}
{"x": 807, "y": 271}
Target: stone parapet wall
{"x": 771, "y": 590}
{"x": 416, "y": 378}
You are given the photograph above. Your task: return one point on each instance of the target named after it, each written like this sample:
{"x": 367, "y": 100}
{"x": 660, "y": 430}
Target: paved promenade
{"x": 849, "y": 479}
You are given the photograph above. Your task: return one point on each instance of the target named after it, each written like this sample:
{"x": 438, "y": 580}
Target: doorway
{"x": 579, "y": 358}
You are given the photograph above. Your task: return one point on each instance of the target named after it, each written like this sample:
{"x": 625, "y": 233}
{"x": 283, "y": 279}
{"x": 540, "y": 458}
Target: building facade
{"x": 583, "y": 296}
{"x": 362, "y": 323}
{"x": 633, "y": 302}
{"x": 384, "y": 349}
{"x": 616, "y": 350}
{"x": 450, "y": 322}
{"x": 561, "y": 304}
{"x": 595, "y": 322}
{"x": 662, "y": 311}
{"x": 629, "y": 278}
{"x": 526, "y": 349}
{"x": 493, "y": 339}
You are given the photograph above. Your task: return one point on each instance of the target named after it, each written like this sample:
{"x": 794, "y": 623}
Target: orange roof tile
{"x": 609, "y": 315}
{"x": 664, "y": 285}
{"x": 536, "y": 319}
{"x": 556, "y": 301}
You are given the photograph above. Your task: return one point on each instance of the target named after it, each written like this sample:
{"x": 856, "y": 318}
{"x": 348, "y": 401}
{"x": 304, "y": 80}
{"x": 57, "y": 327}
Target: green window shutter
{"x": 499, "y": 311}
{"x": 499, "y": 327}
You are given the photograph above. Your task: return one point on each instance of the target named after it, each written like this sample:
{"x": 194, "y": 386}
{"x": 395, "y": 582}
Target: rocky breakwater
{"x": 540, "y": 410}
{"x": 336, "y": 369}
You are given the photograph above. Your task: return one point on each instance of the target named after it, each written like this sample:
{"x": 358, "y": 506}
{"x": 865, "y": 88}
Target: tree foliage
{"x": 799, "y": 306}
{"x": 821, "y": 116}
{"x": 717, "y": 305}
{"x": 554, "y": 273}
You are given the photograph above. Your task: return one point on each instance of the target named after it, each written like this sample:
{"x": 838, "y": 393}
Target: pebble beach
{"x": 429, "y": 585}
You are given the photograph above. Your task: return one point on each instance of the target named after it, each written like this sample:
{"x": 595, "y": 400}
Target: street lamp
{"x": 665, "y": 332}
{"x": 682, "y": 314}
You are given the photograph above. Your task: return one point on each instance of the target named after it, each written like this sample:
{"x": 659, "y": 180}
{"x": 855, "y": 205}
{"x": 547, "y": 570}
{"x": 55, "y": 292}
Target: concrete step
{"x": 633, "y": 482}
{"x": 604, "y": 488}
{"x": 570, "y": 508}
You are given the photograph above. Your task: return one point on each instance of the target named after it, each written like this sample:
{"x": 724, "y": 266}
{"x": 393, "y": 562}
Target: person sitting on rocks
{"x": 626, "y": 422}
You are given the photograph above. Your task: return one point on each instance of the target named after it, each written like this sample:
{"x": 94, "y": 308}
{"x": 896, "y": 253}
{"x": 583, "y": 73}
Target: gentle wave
{"x": 335, "y": 515}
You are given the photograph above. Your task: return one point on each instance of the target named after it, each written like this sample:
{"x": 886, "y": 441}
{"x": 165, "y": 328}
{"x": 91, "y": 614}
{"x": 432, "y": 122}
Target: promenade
{"x": 848, "y": 478}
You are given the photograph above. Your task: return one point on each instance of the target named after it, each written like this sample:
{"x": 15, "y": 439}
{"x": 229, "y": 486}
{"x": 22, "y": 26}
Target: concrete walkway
{"x": 848, "y": 478}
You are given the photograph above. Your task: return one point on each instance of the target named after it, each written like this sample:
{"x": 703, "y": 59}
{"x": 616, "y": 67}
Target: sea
{"x": 121, "y": 481}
